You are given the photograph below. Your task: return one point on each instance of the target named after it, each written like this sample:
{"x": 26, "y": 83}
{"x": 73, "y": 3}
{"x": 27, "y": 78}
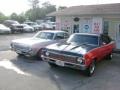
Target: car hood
{"x": 30, "y": 41}
{"x": 73, "y": 48}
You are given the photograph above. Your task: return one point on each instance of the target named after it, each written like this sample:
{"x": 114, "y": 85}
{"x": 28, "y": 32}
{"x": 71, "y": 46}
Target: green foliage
{"x": 20, "y": 18}
{"x": 34, "y": 3}
{"x": 14, "y": 16}
{"x": 34, "y": 13}
{"x": 62, "y": 7}
{"x": 2, "y": 17}
{"x": 40, "y": 12}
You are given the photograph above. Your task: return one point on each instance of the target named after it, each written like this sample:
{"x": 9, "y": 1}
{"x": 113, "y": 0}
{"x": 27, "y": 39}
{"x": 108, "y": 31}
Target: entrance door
{"x": 118, "y": 36}
{"x": 76, "y": 28}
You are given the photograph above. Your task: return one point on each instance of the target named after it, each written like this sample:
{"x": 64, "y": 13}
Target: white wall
{"x": 86, "y": 24}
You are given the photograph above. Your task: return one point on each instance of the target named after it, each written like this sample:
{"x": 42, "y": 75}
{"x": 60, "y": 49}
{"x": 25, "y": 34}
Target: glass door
{"x": 76, "y": 28}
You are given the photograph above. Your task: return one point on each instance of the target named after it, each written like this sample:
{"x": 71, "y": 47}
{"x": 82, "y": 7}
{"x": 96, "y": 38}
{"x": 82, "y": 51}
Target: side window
{"x": 66, "y": 35}
{"x": 59, "y": 36}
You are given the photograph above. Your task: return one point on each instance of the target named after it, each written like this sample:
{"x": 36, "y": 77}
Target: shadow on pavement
{"x": 67, "y": 78}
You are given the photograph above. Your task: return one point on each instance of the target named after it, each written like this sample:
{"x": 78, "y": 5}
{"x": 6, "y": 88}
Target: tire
{"x": 110, "y": 56}
{"x": 90, "y": 70}
{"x": 52, "y": 64}
{"x": 20, "y": 54}
{"x": 38, "y": 55}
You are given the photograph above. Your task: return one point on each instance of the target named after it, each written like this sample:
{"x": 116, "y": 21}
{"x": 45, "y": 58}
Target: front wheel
{"x": 90, "y": 70}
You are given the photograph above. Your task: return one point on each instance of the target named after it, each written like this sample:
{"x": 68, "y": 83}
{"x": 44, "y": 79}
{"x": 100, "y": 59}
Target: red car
{"x": 80, "y": 51}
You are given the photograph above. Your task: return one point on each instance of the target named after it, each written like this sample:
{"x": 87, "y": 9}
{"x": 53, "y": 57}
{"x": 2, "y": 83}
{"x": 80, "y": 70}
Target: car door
{"x": 104, "y": 45}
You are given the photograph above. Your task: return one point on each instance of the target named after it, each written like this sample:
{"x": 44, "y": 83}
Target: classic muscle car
{"x": 80, "y": 51}
{"x": 32, "y": 46}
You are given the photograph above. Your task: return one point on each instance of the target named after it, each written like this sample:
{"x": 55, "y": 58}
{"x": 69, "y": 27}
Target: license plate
{"x": 60, "y": 63}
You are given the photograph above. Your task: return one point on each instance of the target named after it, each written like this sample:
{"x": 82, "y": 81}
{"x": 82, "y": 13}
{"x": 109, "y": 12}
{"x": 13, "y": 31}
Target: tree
{"x": 34, "y": 3}
{"x": 40, "y": 12}
{"x": 21, "y": 18}
{"x": 62, "y": 7}
{"x": 32, "y": 13}
{"x": 48, "y": 7}
{"x": 14, "y": 16}
{"x": 2, "y": 17}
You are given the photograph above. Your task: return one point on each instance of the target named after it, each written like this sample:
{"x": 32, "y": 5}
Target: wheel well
{"x": 39, "y": 51}
{"x": 95, "y": 60}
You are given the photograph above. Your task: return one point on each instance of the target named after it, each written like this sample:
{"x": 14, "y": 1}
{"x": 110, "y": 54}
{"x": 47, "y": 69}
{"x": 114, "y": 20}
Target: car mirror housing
{"x": 103, "y": 43}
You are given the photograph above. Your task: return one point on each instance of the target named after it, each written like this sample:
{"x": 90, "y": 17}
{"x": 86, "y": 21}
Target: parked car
{"x": 52, "y": 24}
{"x": 15, "y": 26}
{"x": 46, "y": 26}
{"x": 4, "y": 29}
{"x": 28, "y": 28}
{"x": 34, "y": 25}
{"x": 33, "y": 46}
{"x": 80, "y": 51}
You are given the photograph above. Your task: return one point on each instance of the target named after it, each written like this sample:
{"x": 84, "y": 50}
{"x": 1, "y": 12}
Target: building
{"x": 103, "y": 18}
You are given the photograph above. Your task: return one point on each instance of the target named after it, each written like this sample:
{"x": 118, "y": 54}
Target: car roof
{"x": 90, "y": 34}
{"x": 54, "y": 31}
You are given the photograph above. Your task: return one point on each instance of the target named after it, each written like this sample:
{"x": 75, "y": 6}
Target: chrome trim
{"x": 43, "y": 57}
{"x": 62, "y": 54}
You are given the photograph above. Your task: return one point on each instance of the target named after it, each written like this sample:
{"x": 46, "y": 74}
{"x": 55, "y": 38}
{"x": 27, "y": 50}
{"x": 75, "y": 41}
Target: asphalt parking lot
{"x": 22, "y": 73}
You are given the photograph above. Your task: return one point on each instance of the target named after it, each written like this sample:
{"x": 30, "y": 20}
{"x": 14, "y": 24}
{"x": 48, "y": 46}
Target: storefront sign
{"x": 86, "y": 28}
{"x": 97, "y": 25}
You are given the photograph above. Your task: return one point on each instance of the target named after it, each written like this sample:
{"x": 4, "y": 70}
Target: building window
{"x": 106, "y": 27}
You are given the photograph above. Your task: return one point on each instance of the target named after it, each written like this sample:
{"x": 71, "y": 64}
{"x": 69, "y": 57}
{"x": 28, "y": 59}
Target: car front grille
{"x": 21, "y": 47}
{"x": 63, "y": 57}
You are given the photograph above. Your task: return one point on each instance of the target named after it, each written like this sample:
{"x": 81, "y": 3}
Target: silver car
{"x": 32, "y": 46}
{"x": 4, "y": 29}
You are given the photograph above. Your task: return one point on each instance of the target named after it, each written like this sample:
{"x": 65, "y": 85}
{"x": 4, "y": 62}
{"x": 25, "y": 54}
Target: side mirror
{"x": 103, "y": 43}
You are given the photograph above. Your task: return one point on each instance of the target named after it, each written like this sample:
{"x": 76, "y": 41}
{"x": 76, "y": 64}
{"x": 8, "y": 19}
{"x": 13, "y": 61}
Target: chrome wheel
{"x": 90, "y": 70}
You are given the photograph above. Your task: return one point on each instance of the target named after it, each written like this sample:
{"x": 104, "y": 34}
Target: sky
{"x": 18, "y": 6}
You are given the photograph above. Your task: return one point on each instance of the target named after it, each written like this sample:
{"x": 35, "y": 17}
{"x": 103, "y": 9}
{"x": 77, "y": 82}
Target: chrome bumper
{"x": 66, "y": 64}
{"x": 24, "y": 52}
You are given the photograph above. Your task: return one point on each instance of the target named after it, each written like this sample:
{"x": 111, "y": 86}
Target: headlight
{"x": 80, "y": 60}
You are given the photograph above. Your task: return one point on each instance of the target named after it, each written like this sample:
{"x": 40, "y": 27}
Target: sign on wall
{"x": 85, "y": 25}
{"x": 86, "y": 28}
{"x": 97, "y": 25}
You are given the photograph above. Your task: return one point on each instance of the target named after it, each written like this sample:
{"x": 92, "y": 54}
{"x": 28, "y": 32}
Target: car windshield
{"x": 45, "y": 35}
{"x": 83, "y": 39}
